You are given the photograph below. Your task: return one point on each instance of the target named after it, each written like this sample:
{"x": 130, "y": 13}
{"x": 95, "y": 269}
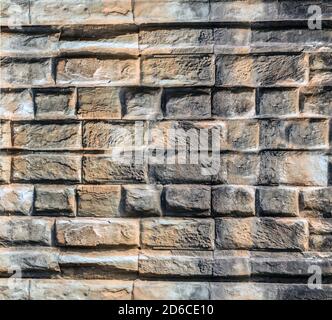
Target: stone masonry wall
{"x": 78, "y": 77}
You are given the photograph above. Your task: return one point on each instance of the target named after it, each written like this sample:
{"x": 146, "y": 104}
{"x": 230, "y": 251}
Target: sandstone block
{"x": 99, "y": 103}
{"x": 55, "y": 200}
{"x": 320, "y": 226}
{"x": 233, "y": 201}
{"x": 142, "y": 200}
{"x": 191, "y": 200}
{"x": 243, "y": 135}
{"x": 316, "y": 202}
{"x": 18, "y": 290}
{"x": 14, "y": 13}
{"x": 46, "y": 168}
{"x": 5, "y": 135}
{"x": 167, "y": 233}
{"x": 187, "y": 104}
{"x": 5, "y": 164}
{"x": 231, "y": 264}
{"x": 97, "y": 233}
{"x": 233, "y": 103}
{"x": 96, "y": 71}
{"x": 320, "y": 243}
{"x": 26, "y": 231}
{"x": 278, "y": 202}
{"x": 317, "y": 102}
{"x": 263, "y": 233}
{"x": 16, "y": 105}
{"x": 16, "y": 199}
{"x": 98, "y": 201}
{"x": 46, "y": 136}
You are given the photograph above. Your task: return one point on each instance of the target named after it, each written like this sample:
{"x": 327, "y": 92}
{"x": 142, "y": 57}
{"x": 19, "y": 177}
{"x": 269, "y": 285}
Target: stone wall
{"x": 78, "y": 76}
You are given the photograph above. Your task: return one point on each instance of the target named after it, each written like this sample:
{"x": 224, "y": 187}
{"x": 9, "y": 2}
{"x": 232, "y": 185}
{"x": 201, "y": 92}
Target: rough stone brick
{"x": 170, "y": 40}
{"x": 320, "y": 242}
{"x": 55, "y": 200}
{"x": 320, "y": 226}
{"x": 277, "y": 102}
{"x": 276, "y": 202}
{"x": 99, "y": 264}
{"x": 99, "y": 103}
{"x": 16, "y": 105}
{"x": 320, "y": 61}
{"x": 16, "y": 199}
{"x": 233, "y": 103}
{"x": 29, "y": 261}
{"x": 233, "y": 201}
{"x": 5, "y": 135}
{"x": 106, "y": 169}
{"x": 98, "y": 201}
{"x": 46, "y": 168}
{"x": 171, "y": 11}
{"x": 231, "y": 264}
{"x": 316, "y": 202}
{"x": 97, "y": 233}
{"x": 25, "y": 231}
{"x": 68, "y": 12}
{"x": 294, "y": 168}
{"x": 261, "y": 70}
{"x": 14, "y": 13}
{"x": 317, "y": 102}
{"x": 298, "y": 134}
{"x": 140, "y": 103}
{"x": 262, "y": 233}
{"x": 105, "y": 135}
{"x": 170, "y": 233}
{"x": 5, "y": 164}
{"x": 187, "y": 200}
{"x": 97, "y": 71}
{"x": 243, "y": 135}
{"x": 165, "y": 290}
{"x": 178, "y": 70}
{"x": 231, "y": 37}
{"x": 16, "y": 73}
{"x": 54, "y": 104}
{"x": 46, "y": 136}
{"x": 142, "y": 200}
{"x": 320, "y": 78}
{"x": 187, "y": 104}
{"x": 153, "y": 263}
{"x": 29, "y": 45}
{"x": 18, "y": 290}
{"x": 44, "y": 289}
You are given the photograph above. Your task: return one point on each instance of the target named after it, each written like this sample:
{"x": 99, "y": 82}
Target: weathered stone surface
{"x": 178, "y": 70}
{"x": 276, "y": 102}
{"x": 29, "y": 261}
{"x": 142, "y": 200}
{"x": 5, "y": 135}
{"x": 87, "y": 12}
{"x": 18, "y": 289}
{"x": 46, "y": 136}
{"x": 299, "y": 134}
{"x": 243, "y": 135}
{"x": 105, "y": 169}
{"x": 97, "y": 233}
{"x": 276, "y": 202}
{"x": 46, "y": 168}
{"x": 54, "y": 104}
{"x": 233, "y": 103}
{"x": 154, "y": 263}
{"x": 140, "y": 103}
{"x": 16, "y": 73}
{"x": 191, "y": 200}
{"x": 98, "y": 201}
{"x": 16, "y": 105}
{"x": 14, "y": 13}
{"x": 16, "y": 199}
{"x": 263, "y": 233}
{"x": 317, "y": 102}
{"x": 187, "y": 104}
{"x": 80, "y": 289}
{"x": 105, "y": 135}
{"x": 276, "y": 70}
{"x": 98, "y": 264}
{"x": 316, "y": 202}
{"x": 321, "y": 242}
{"x": 5, "y": 164}
{"x": 233, "y": 201}
{"x": 296, "y": 168}
{"x": 99, "y": 103}
{"x": 25, "y": 231}
{"x": 97, "y": 71}
{"x": 55, "y": 200}
{"x": 162, "y": 290}
{"x": 231, "y": 264}
{"x": 178, "y": 233}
